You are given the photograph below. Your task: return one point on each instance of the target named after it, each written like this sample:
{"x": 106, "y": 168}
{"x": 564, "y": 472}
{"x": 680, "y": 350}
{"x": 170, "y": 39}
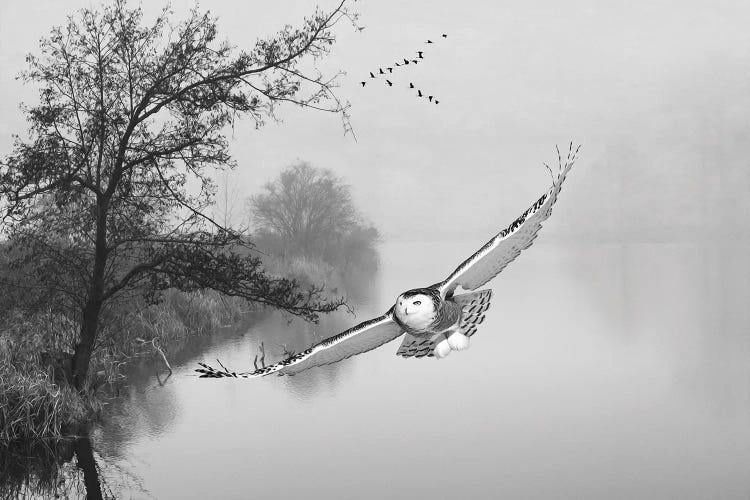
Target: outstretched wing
{"x": 474, "y": 305}
{"x": 356, "y": 340}
{"x": 508, "y": 244}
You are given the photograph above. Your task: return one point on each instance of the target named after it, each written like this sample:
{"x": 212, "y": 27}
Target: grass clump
{"x": 33, "y": 407}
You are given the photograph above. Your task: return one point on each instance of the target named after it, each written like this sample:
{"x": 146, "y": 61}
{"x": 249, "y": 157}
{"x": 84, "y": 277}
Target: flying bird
{"x": 397, "y": 64}
{"x": 429, "y": 41}
{"x": 406, "y": 61}
{"x": 420, "y": 54}
{"x": 390, "y": 83}
{"x": 445, "y": 36}
{"x": 429, "y": 97}
{"x": 415, "y": 61}
{"x": 419, "y": 93}
{"x": 372, "y": 75}
{"x": 363, "y": 83}
{"x": 411, "y": 85}
{"x": 381, "y": 71}
{"x": 434, "y": 320}
{"x": 437, "y": 102}
{"x": 390, "y": 70}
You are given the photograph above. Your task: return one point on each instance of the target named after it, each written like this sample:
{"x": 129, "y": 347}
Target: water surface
{"x": 601, "y": 371}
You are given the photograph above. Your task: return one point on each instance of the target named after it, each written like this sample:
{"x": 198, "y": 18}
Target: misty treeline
{"x": 307, "y": 219}
{"x": 100, "y": 213}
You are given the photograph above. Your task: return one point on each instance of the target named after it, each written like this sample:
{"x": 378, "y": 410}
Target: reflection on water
{"x": 603, "y": 371}
{"x": 65, "y": 468}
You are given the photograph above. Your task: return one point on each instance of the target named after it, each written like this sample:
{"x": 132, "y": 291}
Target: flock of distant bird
{"x": 389, "y": 70}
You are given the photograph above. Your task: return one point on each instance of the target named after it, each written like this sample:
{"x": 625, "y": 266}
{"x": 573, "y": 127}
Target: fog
{"x": 614, "y": 360}
{"x": 658, "y": 93}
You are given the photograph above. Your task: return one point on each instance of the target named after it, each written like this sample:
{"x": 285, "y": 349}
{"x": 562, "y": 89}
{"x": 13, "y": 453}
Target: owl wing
{"x": 356, "y": 340}
{"x": 501, "y": 250}
{"x": 415, "y": 347}
{"x": 473, "y": 308}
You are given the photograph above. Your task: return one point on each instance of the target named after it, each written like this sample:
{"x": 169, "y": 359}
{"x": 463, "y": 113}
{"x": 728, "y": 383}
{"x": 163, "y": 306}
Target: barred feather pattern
{"x": 474, "y": 306}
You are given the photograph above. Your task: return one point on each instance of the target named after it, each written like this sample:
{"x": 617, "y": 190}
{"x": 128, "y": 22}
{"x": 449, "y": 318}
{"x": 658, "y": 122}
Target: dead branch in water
{"x": 154, "y": 343}
{"x": 262, "y": 357}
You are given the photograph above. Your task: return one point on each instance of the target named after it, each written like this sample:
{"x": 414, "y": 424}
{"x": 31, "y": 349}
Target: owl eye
{"x": 417, "y": 302}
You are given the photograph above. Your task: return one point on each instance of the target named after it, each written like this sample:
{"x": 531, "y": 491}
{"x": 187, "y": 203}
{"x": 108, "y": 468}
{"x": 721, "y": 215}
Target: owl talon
{"x": 442, "y": 349}
{"x": 458, "y": 341}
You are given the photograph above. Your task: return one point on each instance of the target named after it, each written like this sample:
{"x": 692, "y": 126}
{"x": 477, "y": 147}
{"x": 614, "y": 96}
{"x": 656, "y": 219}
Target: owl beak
{"x": 406, "y": 310}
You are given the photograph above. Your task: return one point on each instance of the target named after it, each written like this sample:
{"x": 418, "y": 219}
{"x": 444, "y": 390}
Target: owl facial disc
{"x": 415, "y": 310}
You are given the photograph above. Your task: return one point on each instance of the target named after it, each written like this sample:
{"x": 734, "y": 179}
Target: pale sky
{"x": 658, "y": 93}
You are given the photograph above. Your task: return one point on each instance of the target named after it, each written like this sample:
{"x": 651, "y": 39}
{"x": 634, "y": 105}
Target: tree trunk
{"x": 85, "y": 346}
{"x": 90, "y": 320}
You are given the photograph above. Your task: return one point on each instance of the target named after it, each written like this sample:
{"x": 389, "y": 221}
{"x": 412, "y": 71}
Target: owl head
{"x": 417, "y": 308}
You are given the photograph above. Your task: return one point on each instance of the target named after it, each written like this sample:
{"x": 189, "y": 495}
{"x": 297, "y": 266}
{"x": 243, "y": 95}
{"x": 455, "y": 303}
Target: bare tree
{"x": 129, "y": 113}
{"x": 305, "y": 206}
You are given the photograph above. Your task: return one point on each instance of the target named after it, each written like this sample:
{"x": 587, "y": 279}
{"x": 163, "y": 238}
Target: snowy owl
{"x": 433, "y": 320}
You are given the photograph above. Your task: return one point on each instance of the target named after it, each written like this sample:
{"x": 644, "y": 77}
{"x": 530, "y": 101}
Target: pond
{"x": 601, "y": 371}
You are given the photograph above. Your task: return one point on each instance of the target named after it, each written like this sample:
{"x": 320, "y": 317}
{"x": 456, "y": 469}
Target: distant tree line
{"x": 309, "y": 212}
